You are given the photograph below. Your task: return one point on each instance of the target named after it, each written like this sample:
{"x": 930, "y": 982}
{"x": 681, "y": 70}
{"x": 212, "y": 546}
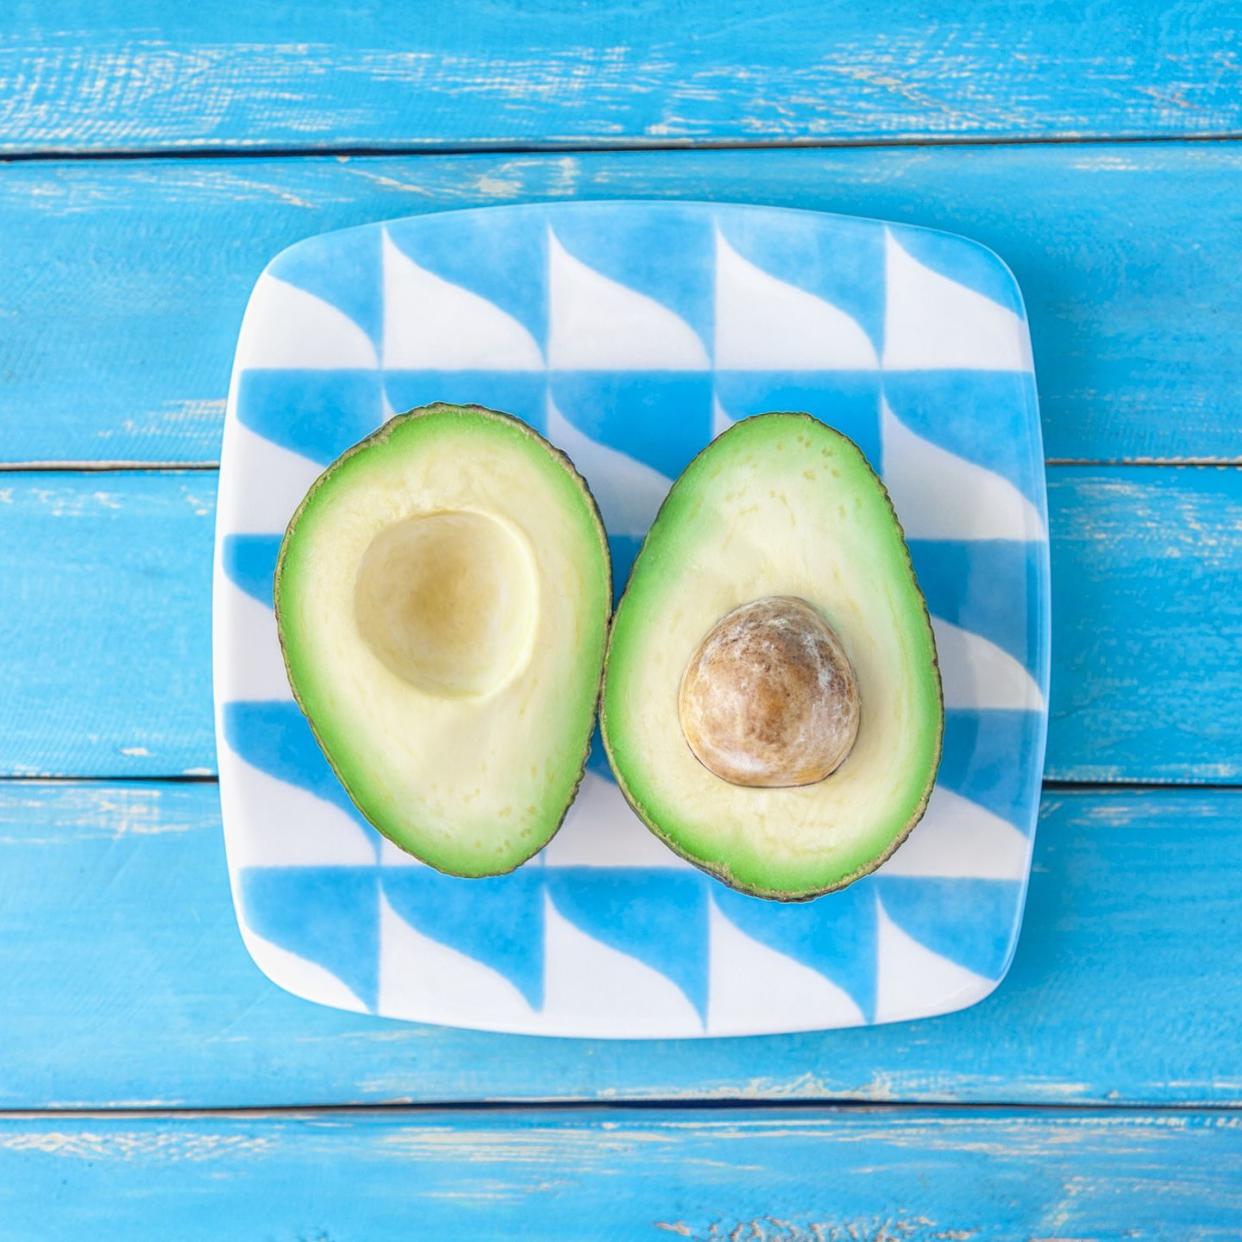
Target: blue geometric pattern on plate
{"x": 983, "y": 586}
{"x": 835, "y": 936}
{"x": 656, "y": 914}
{"x": 276, "y": 739}
{"x": 523, "y": 394}
{"x": 846, "y": 400}
{"x": 631, "y": 334}
{"x": 328, "y": 915}
{"x": 497, "y": 921}
{"x": 962, "y": 920}
{"x": 250, "y": 562}
{"x": 309, "y": 411}
{"x": 660, "y": 418}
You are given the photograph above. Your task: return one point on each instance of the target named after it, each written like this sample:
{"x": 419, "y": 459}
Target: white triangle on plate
{"x": 261, "y": 483}
{"x": 300, "y": 975}
{"x": 629, "y": 492}
{"x": 753, "y": 989}
{"x": 597, "y": 324}
{"x": 960, "y": 839}
{"x": 286, "y": 328}
{"x": 432, "y": 324}
{"x": 914, "y": 982}
{"x": 766, "y": 324}
{"x": 601, "y": 830}
{"x": 248, "y": 662}
{"x": 265, "y": 482}
{"x": 593, "y": 989}
{"x": 939, "y": 495}
{"x": 392, "y": 855}
{"x": 934, "y": 323}
{"x": 424, "y": 980}
{"x": 976, "y": 673}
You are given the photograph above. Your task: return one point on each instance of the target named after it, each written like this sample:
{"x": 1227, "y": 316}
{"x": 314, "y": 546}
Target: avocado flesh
{"x": 442, "y": 599}
{"x": 779, "y": 505}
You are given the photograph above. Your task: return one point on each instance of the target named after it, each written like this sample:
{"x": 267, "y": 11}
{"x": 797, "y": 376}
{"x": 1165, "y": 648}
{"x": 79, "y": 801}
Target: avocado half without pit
{"x": 772, "y": 705}
{"x": 442, "y": 600}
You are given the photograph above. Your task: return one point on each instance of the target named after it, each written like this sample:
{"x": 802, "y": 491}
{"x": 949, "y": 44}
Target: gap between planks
{"x": 199, "y": 151}
{"x": 607, "y": 1109}
{"x": 1142, "y": 461}
{"x": 212, "y": 778}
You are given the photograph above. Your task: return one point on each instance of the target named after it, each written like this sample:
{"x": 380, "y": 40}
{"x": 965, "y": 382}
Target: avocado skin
{"x": 377, "y": 437}
{"x": 722, "y": 872}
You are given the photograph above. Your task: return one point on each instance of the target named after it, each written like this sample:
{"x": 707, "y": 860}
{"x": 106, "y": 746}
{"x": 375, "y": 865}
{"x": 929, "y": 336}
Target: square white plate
{"x": 630, "y": 333}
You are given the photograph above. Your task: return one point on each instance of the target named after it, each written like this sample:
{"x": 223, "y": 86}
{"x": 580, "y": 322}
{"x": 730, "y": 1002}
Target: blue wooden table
{"x": 154, "y": 157}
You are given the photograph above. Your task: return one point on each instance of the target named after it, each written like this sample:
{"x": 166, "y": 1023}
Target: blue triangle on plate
{"x": 520, "y": 393}
{"x": 836, "y": 259}
{"x": 497, "y": 921}
{"x": 984, "y": 417}
{"x": 632, "y": 247}
{"x": 344, "y": 270}
{"x": 624, "y": 549}
{"x": 275, "y": 738}
{"x": 846, "y": 400}
{"x": 834, "y": 934}
{"x": 988, "y": 757}
{"x": 329, "y": 915}
{"x": 597, "y": 758}
{"x": 499, "y": 256}
{"x": 987, "y": 586}
{"x": 316, "y": 413}
{"x": 655, "y": 914}
{"x": 250, "y": 563}
{"x": 661, "y": 418}
{"x": 971, "y": 922}
{"x": 963, "y": 261}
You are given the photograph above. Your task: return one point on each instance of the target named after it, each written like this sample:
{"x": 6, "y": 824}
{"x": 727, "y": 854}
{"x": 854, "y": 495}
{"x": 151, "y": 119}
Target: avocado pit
{"x": 769, "y": 698}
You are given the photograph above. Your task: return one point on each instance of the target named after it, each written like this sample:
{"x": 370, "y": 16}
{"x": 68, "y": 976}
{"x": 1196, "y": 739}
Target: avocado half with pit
{"x": 442, "y": 598}
{"x": 772, "y": 705}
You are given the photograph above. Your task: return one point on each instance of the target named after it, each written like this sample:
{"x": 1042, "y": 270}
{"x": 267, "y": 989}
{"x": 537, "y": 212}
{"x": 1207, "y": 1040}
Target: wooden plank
{"x": 806, "y": 1176}
{"x": 105, "y": 623}
{"x": 126, "y": 982}
{"x": 1147, "y": 624}
{"x": 1147, "y": 657}
{"x": 1126, "y": 255}
{"x": 127, "y": 75}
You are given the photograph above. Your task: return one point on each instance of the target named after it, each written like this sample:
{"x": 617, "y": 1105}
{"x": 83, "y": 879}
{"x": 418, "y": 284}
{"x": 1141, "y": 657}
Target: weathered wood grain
{"x": 105, "y": 623}
{"x": 123, "y": 283}
{"x": 873, "y": 1175}
{"x": 126, "y": 75}
{"x": 126, "y": 982}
